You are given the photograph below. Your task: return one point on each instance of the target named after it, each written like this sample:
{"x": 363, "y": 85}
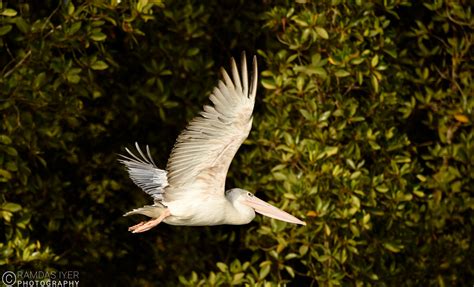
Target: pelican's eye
{"x": 250, "y": 194}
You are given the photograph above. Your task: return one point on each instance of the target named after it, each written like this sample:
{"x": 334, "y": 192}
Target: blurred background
{"x": 363, "y": 128}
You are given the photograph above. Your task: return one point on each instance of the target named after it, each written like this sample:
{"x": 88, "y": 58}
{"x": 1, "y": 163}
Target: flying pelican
{"x": 191, "y": 189}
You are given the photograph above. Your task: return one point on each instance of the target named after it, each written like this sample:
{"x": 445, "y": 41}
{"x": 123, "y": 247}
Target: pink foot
{"x": 132, "y": 228}
{"x": 145, "y": 226}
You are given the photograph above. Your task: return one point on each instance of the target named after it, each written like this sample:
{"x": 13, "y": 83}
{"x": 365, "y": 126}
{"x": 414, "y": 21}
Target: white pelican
{"x": 191, "y": 190}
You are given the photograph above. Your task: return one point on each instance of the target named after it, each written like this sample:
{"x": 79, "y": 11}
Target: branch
{"x": 18, "y": 64}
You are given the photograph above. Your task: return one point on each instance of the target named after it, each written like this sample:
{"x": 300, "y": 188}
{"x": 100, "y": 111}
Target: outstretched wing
{"x": 204, "y": 150}
{"x": 144, "y": 172}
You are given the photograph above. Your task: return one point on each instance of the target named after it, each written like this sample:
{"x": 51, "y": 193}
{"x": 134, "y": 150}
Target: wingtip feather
{"x": 253, "y": 89}
{"x": 235, "y": 75}
{"x": 245, "y": 79}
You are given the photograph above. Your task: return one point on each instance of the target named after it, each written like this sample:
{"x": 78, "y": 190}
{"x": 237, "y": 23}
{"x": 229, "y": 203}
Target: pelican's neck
{"x": 237, "y": 213}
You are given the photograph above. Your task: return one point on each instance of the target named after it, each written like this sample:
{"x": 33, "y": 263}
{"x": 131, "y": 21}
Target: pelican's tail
{"x": 153, "y": 211}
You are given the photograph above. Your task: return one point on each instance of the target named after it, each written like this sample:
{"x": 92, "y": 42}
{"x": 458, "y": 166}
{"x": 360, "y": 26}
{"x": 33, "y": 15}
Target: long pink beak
{"x": 269, "y": 210}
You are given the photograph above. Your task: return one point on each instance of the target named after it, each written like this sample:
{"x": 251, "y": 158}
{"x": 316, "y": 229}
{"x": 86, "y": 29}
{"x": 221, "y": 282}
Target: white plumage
{"x": 191, "y": 190}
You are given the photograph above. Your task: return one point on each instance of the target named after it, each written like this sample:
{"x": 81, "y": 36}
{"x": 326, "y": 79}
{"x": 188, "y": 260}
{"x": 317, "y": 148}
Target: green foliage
{"x": 363, "y": 127}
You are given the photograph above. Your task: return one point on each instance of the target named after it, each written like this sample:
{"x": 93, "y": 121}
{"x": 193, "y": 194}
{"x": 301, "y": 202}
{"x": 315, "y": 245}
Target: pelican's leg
{"x": 131, "y": 228}
{"x": 151, "y": 223}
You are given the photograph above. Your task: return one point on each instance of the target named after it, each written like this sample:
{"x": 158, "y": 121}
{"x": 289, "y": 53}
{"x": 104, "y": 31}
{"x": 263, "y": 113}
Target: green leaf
{"x": 70, "y": 8}
{"x": 99, "y": 65}
{"x": 237, "y": 279}
{"x": 11, "y": 207}
{"x": 98, "y": 36}
{"x": 22, "y": 25}
{"x": 5, "y": 174}
{"x": 331, "y": 150}
{"x": 39, "y": 80}
{"x": 323, "y": 258}
{"x": 268, "y": 84}
{"x": 290, "y": 271}
{"x": 311, "y": 70}
{"x": 303, "y": 250}
{"x": 4, "y": 139}
{"x": 264, "y": 272}
{"x": 322, "y": 32}
{"x": 357, "y": 61}
{"x": 9, "y": 12}
{"x": 222, "y": 267}
{"x": 73, "y": 78}
{"x": 280, "y": 176}
{"x": 392, "y": 247}
{"x": 72, "y": 75}
{"x": 375, "y": 83}
{"x": 193, "y": 52}
{"x": 74, "y": 28}
{"x": 419, "y": 193}
{"x": 306, "y": 114}
{"x": 10, "y": 151}
{"x": 342, "y": 73}
{"x": 375, "y": 61}
{"x": 5, "y": 29}
{"x": 382, "y": 188}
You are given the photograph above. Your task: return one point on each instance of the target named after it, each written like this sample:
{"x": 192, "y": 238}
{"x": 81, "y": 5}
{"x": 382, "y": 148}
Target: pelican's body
{"x": 210, "y": 210}
{"x": 191, "y": 190}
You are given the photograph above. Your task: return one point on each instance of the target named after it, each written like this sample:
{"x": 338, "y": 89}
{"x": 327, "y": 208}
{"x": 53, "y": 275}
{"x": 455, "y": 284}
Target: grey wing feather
{"x": 144, "y": 173}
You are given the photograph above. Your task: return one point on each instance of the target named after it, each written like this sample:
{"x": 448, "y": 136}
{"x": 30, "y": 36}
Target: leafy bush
{"x": 363, "y": 127}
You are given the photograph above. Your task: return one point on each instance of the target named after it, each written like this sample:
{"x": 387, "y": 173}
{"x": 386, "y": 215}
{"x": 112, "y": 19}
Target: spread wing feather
{"x": 204, "y": 150}
{"x": 144, "y": 172}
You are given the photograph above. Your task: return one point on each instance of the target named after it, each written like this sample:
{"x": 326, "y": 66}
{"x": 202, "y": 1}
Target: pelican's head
{"x": 247, "y": 198}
